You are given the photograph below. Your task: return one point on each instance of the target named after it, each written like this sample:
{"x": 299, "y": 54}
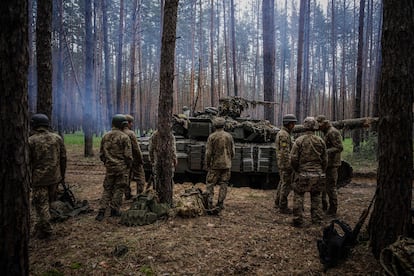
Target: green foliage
{"x": 366, "y": 158}
{"x": 52, "y": 272}
{"x": 76, "y": 265}
{"x": 147, "y": 270}
{"x": 77, "y": 138}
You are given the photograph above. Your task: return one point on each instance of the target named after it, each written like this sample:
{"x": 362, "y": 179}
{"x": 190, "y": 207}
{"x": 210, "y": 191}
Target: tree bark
{"x": 165, "y": 103}
{"x": 233, "y": 47}
{"x": 268, "y": 57}
{"x": 356, "y": 136}
{"x": 391, "y": 214}
{"x": 119, "y": 58}
{"x": 44, "y": 57}
{"x": 88, "y": 103}
{"x": 14, "y": 150}
{"x": 300, "y": 60}
{"x": 108, "y": 87}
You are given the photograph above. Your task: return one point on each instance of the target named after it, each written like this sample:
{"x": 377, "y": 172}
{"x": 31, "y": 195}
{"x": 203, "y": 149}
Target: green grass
{"x": 77, "y": 139}
{"x": 363, "y": 160}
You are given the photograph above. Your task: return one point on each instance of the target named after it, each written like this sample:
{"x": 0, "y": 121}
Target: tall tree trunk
{"x": 300, "y": 59}
{"x": 119, "y": 58}
{"x": 356, "y": 137}
{"x": 87, "y": 123}
{"x": 226, "y": 49}
{"x": 233, "y": 47}
{"x": 192, "y": 73}
{"x": 333, "y": 46}
{"x": 60, "y": 91}
{"x": 44, "y": 57}
{"x": 268, "y": 57}
{"x": 212, "y": 86}
{"x": 108, "y": 87}
{"x": 32, "y": 91}
{"x": 391, "y": 215}
{"x": 165, "y": 104}
{"x": 132, "y": 107}
{"x": 14, "y": 149}
{"x": 283, "y": 63}
{"x": 306, "y": 46}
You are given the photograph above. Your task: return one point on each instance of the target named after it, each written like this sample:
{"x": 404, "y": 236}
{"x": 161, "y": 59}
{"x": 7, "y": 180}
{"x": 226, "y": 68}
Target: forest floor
{"x": 248, "y": 238}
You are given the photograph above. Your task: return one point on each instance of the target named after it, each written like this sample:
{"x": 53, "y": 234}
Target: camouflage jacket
{"x": 47, "y": 157}
{"x": 116, "y": 151}
{"x": 219, "y": 150}
{"x": 136, "y": 149}
{"x": 333, "y": 141}
{"x": 154, "y": 145}
{"x": 309, "y": 154}
{"x": 283, "y": 145}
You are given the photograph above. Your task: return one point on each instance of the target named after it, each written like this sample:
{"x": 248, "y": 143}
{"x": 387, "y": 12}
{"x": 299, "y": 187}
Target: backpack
{"x": 191, "y": 203}
{"x": 144, "y": 210}
{"x": 334, "y": 247}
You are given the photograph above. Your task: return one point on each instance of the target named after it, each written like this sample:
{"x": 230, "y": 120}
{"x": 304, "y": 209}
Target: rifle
{"x": 67, "y": 195}
{"x": 361, "y": 220}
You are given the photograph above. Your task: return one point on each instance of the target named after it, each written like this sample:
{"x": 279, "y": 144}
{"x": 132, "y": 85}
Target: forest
{"x": 80, "y": 62}
{"x": 246, "y": 48}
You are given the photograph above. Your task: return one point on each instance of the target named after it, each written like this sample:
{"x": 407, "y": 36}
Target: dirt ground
{"x": 248, "y": 238}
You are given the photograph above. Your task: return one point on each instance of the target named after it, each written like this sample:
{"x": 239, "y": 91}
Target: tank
{"x": 254, "y": 164}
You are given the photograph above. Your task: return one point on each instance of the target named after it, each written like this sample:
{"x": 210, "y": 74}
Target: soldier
{"x": 48, "y": 164}
{"x": 283, "y": 145}
{"x": 153, "y": 146}
{"x": 116, "y": 154}
{"x": 137, "y": 172}
{"x": 308, "y": 159}
{"x": 219, "y": 153}
{"x": 333, "y": 141}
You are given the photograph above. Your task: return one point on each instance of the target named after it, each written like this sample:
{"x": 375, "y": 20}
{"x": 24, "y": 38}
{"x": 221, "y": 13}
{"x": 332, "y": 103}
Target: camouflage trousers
{"x": 330, "y": 190}
{"x": 283, "y": 190}
{"x": 40, "y": 201}
{"x": 217, "y": 177}
{"x": 307, "y": 182}
{"x": 138, "y": 175}
{"x": 114, "y": 188}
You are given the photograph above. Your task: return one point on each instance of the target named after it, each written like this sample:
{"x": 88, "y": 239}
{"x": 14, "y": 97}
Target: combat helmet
{"x": 219, "y": 122}
{"x": 309, "y": 123}
{"x": 39, "y": 119}
{"x": 129, "y": 118}
{"x": 289, "y": 118}
{"x": 119, "y": 121}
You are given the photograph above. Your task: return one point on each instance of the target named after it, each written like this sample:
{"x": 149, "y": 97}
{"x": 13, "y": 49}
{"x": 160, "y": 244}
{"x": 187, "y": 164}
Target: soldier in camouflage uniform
{"x": 219, "y": 153}
{"x": 283, "y": 146}
{"x": 116, "y": 154}
{"x": 308, "y": 159}
{"x": 48, "y": 164}
{"x": 153, "y": 146}
{"x": 333, "y": 141}
{"x": 137, "y": 172}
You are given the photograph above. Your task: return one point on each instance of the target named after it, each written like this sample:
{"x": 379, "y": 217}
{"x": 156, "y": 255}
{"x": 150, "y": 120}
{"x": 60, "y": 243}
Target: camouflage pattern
{"x": 333, "y": 141}
{"x": 219, "y": 153}
{"x": 40, "y": 201}
{"x": 137, "y": 171}
{"x": 308, "y": 159}
{"x": 116, "y": 154}
{"x": 219, "y": 150}
{"x": 114, "y": 185}
{"x": 153, "y": 146}
{"x": 48, "y": 163}
{"x": 283, "y": 146}
{"x": 220, "y": 177}
{"x": 47, "y": 157}
{"x": 334, "y": 147}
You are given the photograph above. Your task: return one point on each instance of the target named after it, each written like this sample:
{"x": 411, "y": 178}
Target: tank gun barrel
{"x": 347, "y": 124}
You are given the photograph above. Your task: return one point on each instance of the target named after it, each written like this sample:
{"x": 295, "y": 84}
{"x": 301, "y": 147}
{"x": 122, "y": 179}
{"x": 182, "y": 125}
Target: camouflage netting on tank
{"x": 232, "y": 106}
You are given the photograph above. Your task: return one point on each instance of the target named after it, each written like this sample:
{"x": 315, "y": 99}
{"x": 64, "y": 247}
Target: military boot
{"x": 220, "y": 205}
{"x": 115, "y": 213}
{"x": 101, "y": 214}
